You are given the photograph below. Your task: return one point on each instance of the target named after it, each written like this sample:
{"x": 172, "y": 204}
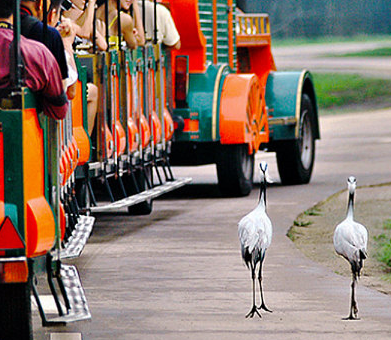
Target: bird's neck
{"x": 262, "y": 195}
{"x": 350, "y": 205}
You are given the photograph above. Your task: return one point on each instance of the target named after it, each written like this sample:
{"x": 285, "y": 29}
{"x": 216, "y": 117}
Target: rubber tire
{"x": 291, "y": 168}
{"x": 235, "y": 170}
{"x": 15, "y": 311}
{"x": 143, "y": 208}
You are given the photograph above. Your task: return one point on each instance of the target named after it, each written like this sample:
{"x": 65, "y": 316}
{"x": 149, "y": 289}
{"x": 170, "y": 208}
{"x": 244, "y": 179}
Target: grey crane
{"x": 255, "y": 235}
{"x": 350, "y": 241}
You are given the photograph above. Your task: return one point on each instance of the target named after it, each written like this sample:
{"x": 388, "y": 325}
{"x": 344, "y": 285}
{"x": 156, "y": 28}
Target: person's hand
{"x": 65, "y": 28}
{"x": 136, "y": 34}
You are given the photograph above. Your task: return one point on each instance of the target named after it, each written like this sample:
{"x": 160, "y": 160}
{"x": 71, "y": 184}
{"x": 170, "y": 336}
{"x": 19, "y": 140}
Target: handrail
{"x": 252, "y": 24}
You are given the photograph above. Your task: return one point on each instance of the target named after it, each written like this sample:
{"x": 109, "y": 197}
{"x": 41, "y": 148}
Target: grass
{"x": 297, "y": 223}
{"x": 314, "y": 211}
{"x": 336, "y": 90}
{"x": 383, "y": 242}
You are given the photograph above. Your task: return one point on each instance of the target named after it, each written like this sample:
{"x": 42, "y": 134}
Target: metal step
{"x": 76, "y": 242}
{"x": 78, "y": 310}
{"x": 143, "y": 196}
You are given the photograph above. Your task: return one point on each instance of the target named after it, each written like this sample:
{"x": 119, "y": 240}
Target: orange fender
{"x": 157, "y": 128}
{"x": 109, "y": 141}
{"x": 168, "y": 125}
{"x": 145, "y": 131}
{"x": 120, "y": 136}
{"x": 40, "y": 225}
{"x": 79, "y": 133}
{"x": 243, "y": 112}
{"x": 133, "y": 135}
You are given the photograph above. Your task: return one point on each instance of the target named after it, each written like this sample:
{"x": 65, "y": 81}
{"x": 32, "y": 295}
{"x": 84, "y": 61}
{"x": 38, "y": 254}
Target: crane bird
{"x": 350, "y": 241}
{"x": 255, "y": 235}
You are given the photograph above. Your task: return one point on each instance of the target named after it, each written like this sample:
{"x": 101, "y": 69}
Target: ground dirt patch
{"x": 312, "y": 232}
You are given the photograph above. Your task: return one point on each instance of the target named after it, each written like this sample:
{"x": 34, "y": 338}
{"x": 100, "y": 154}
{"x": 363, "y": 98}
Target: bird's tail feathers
{"x": 363, "y": 254}
{"x": 359, "y": 263}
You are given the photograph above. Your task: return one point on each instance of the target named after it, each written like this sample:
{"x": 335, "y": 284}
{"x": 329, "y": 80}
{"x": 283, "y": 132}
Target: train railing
{"x": 252, "y": 29}
{"x": 131, "y": 164}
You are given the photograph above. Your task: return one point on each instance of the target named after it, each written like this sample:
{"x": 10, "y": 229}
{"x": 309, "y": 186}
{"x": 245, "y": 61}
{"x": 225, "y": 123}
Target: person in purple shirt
{"x": 41, "y": 71}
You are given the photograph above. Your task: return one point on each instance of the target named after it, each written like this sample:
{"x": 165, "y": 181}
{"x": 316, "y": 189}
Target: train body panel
{"x": 284, "y": 92}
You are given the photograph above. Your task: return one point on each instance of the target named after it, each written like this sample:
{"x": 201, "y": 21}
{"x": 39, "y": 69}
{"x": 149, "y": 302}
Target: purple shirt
{"x": 42, "y": 73}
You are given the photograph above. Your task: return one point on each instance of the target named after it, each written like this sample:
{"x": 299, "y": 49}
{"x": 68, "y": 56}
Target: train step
{"x": 76, "y": 242}
{"x": 74, "y": 306}
{"x": 143, "y": 196}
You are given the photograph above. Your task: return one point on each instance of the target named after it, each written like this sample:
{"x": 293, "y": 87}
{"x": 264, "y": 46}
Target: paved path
{"x": 177, "y": 274}
{"x": 313, "y": 57}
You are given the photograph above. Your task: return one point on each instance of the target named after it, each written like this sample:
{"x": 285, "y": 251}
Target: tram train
{"x": 216, "y": 100}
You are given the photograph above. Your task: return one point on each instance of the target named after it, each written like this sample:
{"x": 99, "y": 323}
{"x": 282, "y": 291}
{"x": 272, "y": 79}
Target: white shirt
{"x": 166, "y": 30}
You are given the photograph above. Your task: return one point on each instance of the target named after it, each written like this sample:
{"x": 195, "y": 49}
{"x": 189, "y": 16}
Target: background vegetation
{"x": 349, "y": 91}
{"x": 313, "y": 18}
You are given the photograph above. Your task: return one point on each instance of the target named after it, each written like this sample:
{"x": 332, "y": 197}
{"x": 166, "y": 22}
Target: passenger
{"x": 42, "y": 73}
{"x": 166, "y": 29}
{"x": 84, "y": 32}
{"x": 32, "y": 28}
{"x": 132, "y": 36}
{"x": 83, "y": 22}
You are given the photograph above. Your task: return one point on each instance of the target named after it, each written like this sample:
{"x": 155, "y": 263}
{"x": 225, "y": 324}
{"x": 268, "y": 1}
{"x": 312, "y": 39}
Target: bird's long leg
{"x": 353, "y": 304}
{"x": 254, "y": 308}
{"x": 263, "y": 305}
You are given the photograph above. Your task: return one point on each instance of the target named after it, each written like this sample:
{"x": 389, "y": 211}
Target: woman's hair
{"x": 6, "y": 8}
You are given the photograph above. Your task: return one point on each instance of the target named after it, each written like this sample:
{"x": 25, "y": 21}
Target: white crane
{"x": 350, "y": 241}
{"x": 255, "y": 235}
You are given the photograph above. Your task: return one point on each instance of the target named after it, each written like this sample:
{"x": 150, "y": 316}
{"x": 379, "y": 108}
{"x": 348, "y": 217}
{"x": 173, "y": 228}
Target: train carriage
{"x": 217, "y": 100}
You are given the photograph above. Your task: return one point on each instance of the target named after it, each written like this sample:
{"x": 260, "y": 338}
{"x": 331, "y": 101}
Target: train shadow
{"x": 196, "y": 191}
{"x": 204, "y": 191}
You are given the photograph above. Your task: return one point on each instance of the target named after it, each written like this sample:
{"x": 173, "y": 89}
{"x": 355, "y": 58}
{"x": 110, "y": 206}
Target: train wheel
{"x": 295, "y": 159}
{"x": 143, "y": 208}
{"x": 235, "y": 170}
{"x": 15, "y": 311}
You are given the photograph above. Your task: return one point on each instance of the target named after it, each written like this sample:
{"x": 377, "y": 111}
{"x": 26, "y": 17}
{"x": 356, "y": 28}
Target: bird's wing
{"x": 349, "y": 238}
{"x": 255, "y": 232}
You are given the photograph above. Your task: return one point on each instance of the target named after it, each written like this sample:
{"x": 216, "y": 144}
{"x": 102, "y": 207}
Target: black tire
{"x": 235, "y": 170}
{"x": 15, "y": 311}
{"x": 143, "y": 208}
{"x": 295, "y": 158}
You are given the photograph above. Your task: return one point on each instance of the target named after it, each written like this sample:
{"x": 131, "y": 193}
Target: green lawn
{"x": 337, "y": 91}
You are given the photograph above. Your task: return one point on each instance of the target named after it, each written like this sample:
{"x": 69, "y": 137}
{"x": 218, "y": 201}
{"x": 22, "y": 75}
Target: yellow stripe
{"x": 215, "y": 98}
{"x": 298, "y": 101}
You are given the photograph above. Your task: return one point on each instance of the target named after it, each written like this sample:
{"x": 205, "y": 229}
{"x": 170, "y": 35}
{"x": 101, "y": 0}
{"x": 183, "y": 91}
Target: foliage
{"x": 383, "y": 241}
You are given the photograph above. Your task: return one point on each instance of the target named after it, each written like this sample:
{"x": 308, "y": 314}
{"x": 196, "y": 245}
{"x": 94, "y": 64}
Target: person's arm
{"x": 138, "y": 24}
{"x": 85, "y": 21}
{"x": 127, "y": 30}
{"x": 67, "y": 29}
{"x": 100, "y": 35}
